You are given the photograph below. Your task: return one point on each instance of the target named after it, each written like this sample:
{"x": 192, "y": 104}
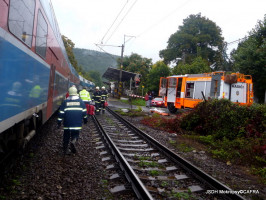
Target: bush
{"x": 222, "y": 118}
{"x": 157, "y": 121}
{"x": 231, "y": 132}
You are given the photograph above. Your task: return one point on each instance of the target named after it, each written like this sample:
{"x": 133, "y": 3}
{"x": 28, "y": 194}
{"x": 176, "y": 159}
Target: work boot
{"x": 73, "y": 148}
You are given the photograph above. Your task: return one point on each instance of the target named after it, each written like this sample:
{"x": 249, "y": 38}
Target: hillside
{"x": 91, "y": 60}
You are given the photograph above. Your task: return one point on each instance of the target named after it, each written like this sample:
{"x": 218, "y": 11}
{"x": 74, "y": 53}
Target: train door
{"x": 239, "y": 92}
{"x": 50, "y": 92}
{"x": 163, "y": 87}
{"x": 179, "y": 96}
{"x": 171, "y": 92}
{"x": 215, "y": 86}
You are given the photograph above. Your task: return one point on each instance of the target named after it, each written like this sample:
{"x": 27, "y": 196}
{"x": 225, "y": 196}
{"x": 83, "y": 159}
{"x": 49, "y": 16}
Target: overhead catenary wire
{"x": 152, "y": 26}
{"x": 99, "y": 46}
{"x": 121, "y": 21}
{"x": 235, "y": 41}
{"x": 158, "y": 22}
{"x": 114, "y": 21}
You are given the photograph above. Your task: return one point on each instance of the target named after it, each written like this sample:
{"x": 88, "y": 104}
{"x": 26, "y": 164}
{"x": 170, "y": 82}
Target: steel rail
{"x": 133, "y": 179}
{"x": 198, "y": 173}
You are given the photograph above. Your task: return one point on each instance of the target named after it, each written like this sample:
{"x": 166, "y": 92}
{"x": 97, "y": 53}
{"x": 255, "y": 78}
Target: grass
{"x": 16, "y": 182}
{"x": 148, "y": 164}
{"x": 183, "y": 195}
{"x": 132, "y": 112}
{"x": 134, "y": 101}
{"x": 164, "y": 184}
{"x": 155, "y": 172}
{"x": 184, "y": 147}
{"x": 143, "y": 157}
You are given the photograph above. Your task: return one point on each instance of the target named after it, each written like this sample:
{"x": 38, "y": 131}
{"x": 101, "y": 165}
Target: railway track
{"x": 154, "y": 171}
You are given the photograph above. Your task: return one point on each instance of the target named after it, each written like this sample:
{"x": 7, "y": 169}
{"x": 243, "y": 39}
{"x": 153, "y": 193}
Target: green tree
{"x": 93, "y": 76}
{"x": 198, "y": 36}
{"x": 159, "y": 69}
{"x": 198, "y": 66}
{"x": 69, "y": 45}
{"x": 250, "y": 58}
{"x": 96, "y": 78}
{"x": 137, "y": 64}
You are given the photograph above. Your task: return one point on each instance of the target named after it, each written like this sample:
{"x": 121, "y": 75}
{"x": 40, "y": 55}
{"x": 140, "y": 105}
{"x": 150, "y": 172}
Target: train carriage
{"x": 35, "y": 72}
{"x": 186, "y": 91}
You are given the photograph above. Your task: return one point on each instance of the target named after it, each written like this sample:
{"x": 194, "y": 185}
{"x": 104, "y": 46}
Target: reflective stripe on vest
{"x": 73, "y": 128}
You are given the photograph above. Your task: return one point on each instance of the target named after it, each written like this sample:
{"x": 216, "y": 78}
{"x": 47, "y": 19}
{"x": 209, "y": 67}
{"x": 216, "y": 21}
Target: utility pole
{"x": 121, "y": 64}
{"x": 121, "y": 67}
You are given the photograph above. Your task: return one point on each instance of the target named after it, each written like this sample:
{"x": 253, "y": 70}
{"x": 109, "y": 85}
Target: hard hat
{"x": 74, "y": 86}
{"x": 72, "y": 91}
{"x": 97, "y": 88}
{"x": 103, "y": 88}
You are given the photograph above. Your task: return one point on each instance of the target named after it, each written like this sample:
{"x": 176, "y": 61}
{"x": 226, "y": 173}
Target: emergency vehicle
{"x": 186, "y": 91}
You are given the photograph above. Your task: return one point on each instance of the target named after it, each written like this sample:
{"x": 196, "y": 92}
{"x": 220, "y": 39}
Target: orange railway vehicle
{"x": 186, "y": 91}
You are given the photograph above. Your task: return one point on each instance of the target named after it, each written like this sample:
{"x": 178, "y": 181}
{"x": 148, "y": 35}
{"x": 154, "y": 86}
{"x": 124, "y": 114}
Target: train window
{"x": 21, "y": 19}
{"x": 199, "y": 87}
{"x": 189, "y": 89}
{"x": 172, "y": 82}
{"x": 41, "y": 37}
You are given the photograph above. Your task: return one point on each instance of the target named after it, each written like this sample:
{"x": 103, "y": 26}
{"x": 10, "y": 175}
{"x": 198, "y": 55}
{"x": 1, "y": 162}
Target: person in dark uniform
{"x": 104, "y": 95}
{"x": 72, "y": 111}
{"x": 97, "y": 99}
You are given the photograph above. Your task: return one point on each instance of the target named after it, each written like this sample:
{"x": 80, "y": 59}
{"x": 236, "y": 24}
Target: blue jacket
{"x": 72, "y": 112}
{"x": 97, "y": 96}
{"x": 104, "y": 95}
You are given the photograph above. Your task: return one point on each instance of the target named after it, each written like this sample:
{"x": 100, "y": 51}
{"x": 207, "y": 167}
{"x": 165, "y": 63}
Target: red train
{"x": 35, "y": 72}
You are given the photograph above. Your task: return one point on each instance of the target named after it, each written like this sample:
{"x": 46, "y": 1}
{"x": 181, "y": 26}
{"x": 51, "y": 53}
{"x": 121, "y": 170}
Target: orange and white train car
{"x": 186, "y": 91}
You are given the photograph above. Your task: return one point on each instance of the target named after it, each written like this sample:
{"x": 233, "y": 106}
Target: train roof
{"x": 200, "y": 75}
{"x": 189, "y": 75}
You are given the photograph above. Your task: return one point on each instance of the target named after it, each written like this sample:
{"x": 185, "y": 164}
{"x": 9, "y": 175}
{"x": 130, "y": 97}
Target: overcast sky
{"x": 151, "y": 22}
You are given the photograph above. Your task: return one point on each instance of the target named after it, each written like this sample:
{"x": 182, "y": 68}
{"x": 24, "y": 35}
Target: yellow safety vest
{"x": 35, "y": 92}
{"x": 84, "y": 95}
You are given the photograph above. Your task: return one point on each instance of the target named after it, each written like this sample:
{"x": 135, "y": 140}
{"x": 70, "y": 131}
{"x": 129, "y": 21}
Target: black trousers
{"x": 103, "y": 106}
{"x": 97, "y": 107}
{"x": 69, "y": 135}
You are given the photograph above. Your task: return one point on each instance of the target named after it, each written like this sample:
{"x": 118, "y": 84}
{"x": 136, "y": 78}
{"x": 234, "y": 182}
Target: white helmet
{"x": 72, "y": 91}
{"x": 103, "y": 88}
{"x": 97, "y": 88}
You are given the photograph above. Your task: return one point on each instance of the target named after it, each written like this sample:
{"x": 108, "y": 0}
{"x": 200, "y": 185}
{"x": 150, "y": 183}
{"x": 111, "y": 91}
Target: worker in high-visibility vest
{"x": 86, "y": 98}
